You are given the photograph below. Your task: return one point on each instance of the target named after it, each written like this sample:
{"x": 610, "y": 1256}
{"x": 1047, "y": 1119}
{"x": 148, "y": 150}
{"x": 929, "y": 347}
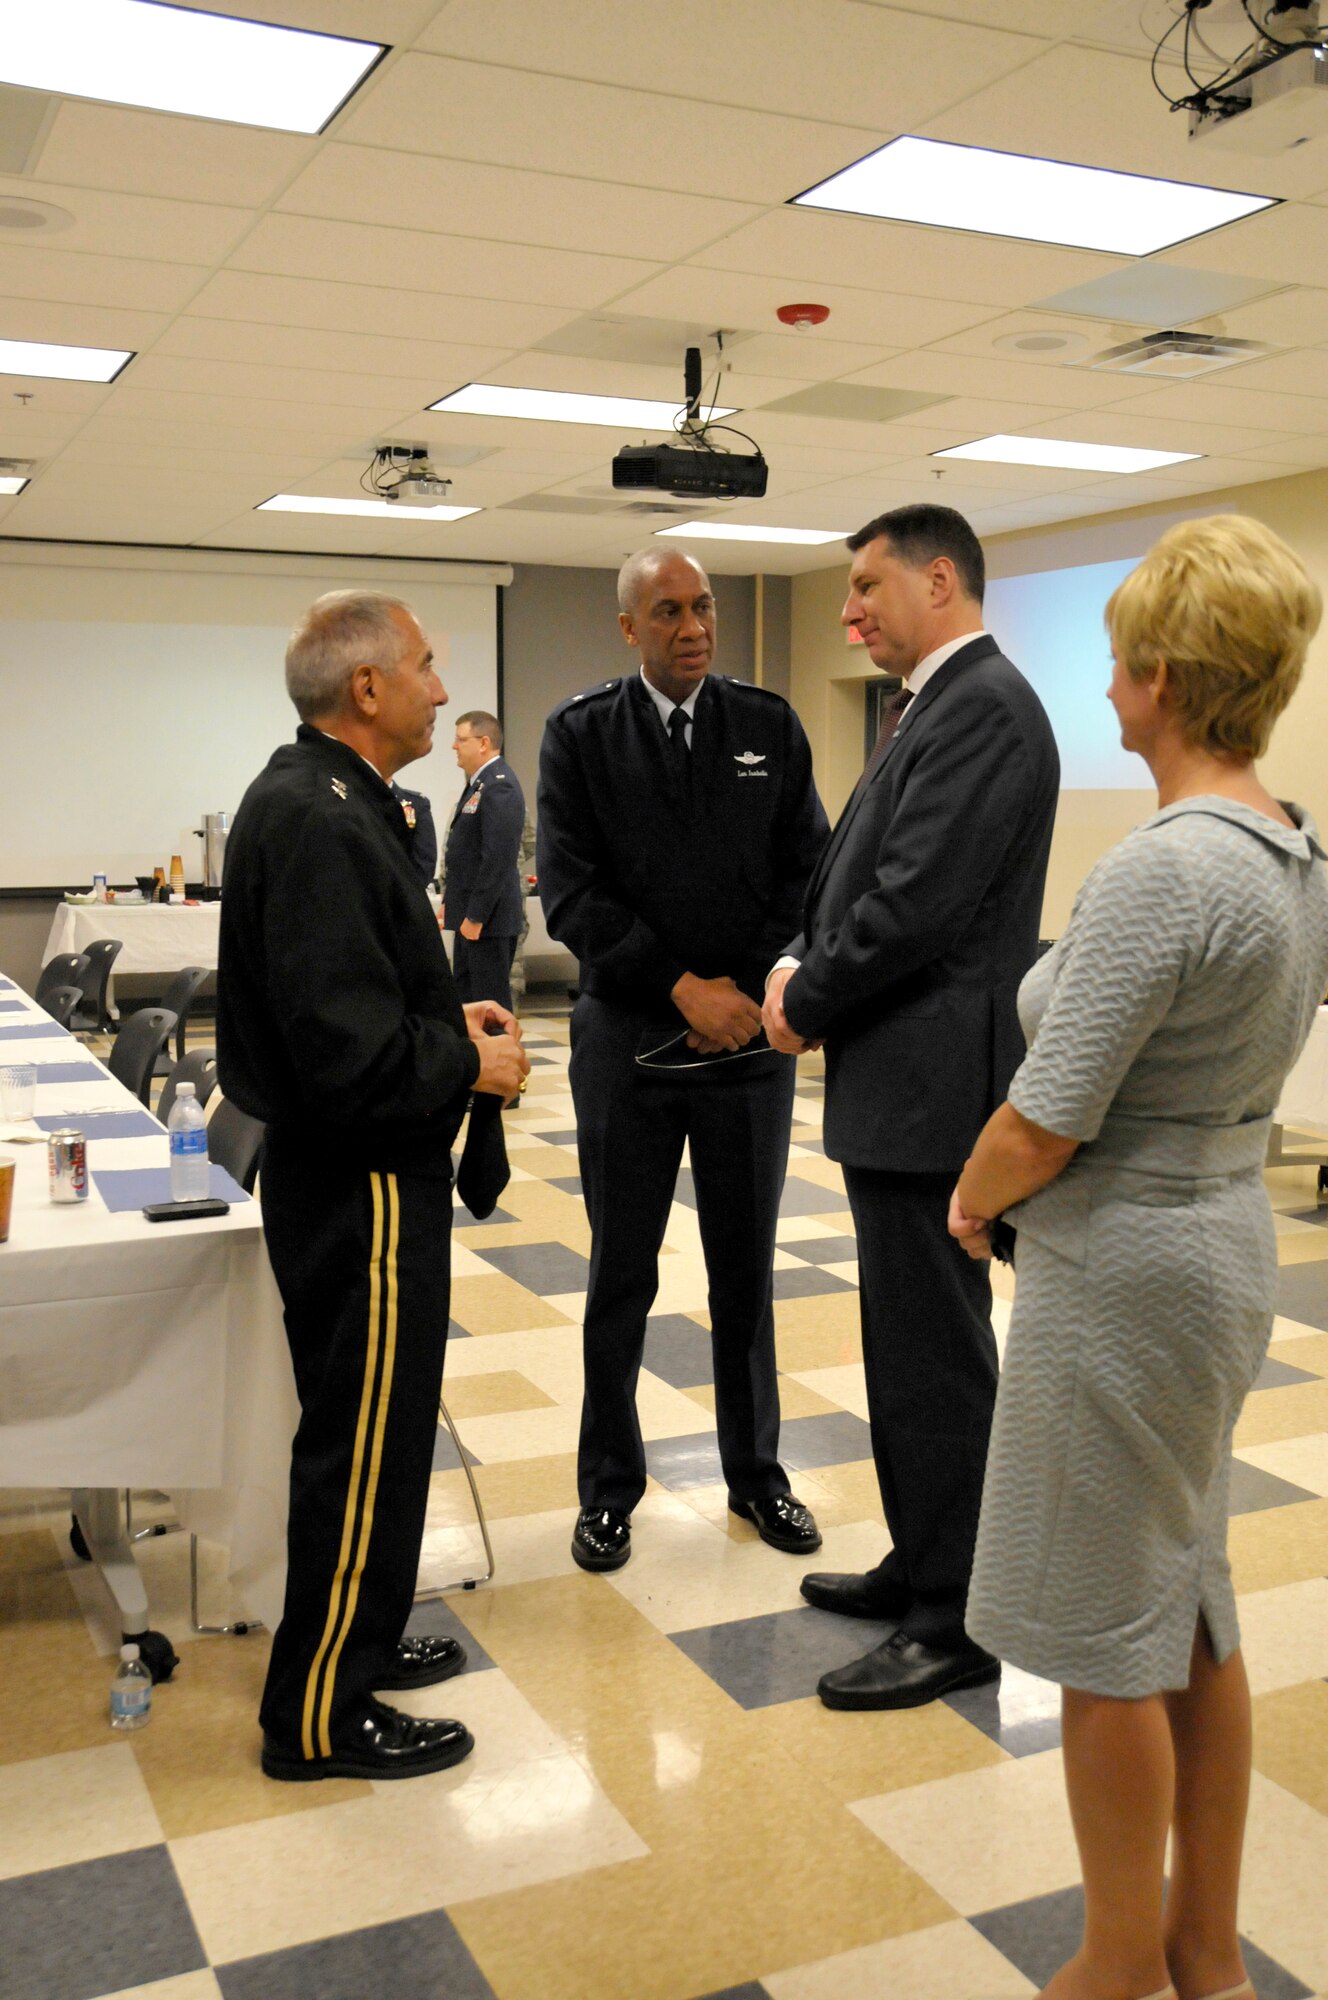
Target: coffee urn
{"x": 213, "y": 834}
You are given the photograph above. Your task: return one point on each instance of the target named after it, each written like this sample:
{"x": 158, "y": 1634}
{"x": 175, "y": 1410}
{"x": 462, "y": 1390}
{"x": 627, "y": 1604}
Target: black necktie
{"x": 682, "y": 756}
{"x": 890, "y": 721}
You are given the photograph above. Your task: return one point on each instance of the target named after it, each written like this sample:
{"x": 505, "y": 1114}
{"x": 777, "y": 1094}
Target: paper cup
{"x": 8, "y": 1165}
{"x": 18, "y": 1091}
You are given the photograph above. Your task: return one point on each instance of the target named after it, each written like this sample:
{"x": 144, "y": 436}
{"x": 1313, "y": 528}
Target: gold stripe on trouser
{"x": 375, "y": 1460}
{"x": 362, "y": 1428}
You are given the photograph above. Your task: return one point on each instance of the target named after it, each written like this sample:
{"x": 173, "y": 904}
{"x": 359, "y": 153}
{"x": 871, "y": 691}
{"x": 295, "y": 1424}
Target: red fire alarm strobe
{"x": 803, "y": 316}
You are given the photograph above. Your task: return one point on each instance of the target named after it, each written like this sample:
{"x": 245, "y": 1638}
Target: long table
{"x": 135, "y": 1354}
{"x": 156, "y": 937}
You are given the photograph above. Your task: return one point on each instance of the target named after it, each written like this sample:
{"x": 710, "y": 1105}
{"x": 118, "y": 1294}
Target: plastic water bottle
{"x": 131, "y": 1691}
{"x": 187, "y": 1131}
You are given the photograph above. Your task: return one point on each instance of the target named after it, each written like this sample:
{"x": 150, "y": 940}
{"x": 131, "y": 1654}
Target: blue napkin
{"x": 67, "y": 1072}
{"x": 12, "y": 1007}
{"x": 105, "y": 1124}
{"x": 134, "y": 1187}
{"x": 33, "y": 1031}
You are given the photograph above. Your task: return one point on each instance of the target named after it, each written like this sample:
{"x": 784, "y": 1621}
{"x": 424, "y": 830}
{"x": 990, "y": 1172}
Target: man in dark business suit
{"x": 482, "y": 887}
{"x": 920, "y": 921}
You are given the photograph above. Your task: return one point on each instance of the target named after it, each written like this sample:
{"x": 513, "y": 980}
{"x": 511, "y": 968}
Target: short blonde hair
{"x": 340, "y": 631}
{"x": 1231, "y": 610}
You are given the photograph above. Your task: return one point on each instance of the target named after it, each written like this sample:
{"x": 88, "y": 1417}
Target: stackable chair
{"x": 60, "y": 1001}
{"x": 134, "y": 1053}
{"x": 65, "y": 969}
{"x": 199, "y": 1067}
{"x": 235, "y": 1140}
{"x": 179, "y": 997}
{"x": 95, "y": 981}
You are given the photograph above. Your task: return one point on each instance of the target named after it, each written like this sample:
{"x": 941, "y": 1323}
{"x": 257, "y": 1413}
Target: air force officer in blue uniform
{"x": 678, "y": 827}
{"x": 483, "y": 887}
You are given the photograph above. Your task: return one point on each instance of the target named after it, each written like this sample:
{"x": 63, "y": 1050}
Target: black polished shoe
{"x": 602, "y": 1538}
{"x": 386, "y": 1744}
{"x": 422, "y": 1661}
{"x": 905, "y": 1673}
{"x": 782, "y": 1521}
{"x": 856, "y": 1596}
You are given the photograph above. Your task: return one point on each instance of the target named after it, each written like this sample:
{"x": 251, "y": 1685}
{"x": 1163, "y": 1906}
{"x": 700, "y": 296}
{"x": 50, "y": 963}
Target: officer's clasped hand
{"x": 719, "y": 1015}
{"x": 496, "y": 1033}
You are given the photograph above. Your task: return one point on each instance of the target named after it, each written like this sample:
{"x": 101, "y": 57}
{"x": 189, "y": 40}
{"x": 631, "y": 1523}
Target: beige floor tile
{"x": 199, "y": 1754}
{"x": 1291, "y": 1741}
{"x": 843, "y": 1387}
{"x": 1292, "y": 1329}
{"x": 547, "y": 1432}
{"x": 493, "y": 1395}
{"x": 546, "y": 1163}
{"x": 482, "y": 1236}
{"x": 984, "y": 1838}
{"x": 498, "y": 1305}
{"x": 1272, "y": 1414}
{"x": 186, "y": 1986}
{"x": 1303, "y": 1243}
{"x": 1284, "y": 1634}
{"x": 1281, "y": 1888}
{"x": 848, "y": 1492}
{"x": 795, "y": 1229}
{"x": 884, "y": 1753}
{"x": 522, "y": 1809}
{"x": 1277, "y": 1545}
{"x": 47, "y": 1652}
{"x": 76, "y": 1806}
{"x": 821, "y": 1173}
{"x": 1309, "y": 1351}
{"x": 1303, "y": 1461}
{"x": 945, "y": 1962}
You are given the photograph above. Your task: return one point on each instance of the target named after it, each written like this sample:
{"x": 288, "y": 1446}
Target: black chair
{"x": 235, "y": 1142}
{"x": 65, "y": 969}
{"x": 60, "y": 1002}
{"x": 178, "y": 998}
{"x": 135, "y": 1050}
{"x": 101, "y": 956}
{"x": 199, "y": 1067}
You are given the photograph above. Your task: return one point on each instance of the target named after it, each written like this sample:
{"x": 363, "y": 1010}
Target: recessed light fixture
{"x": 1066, "y": 454}
{"x": 318, "y": 503}
{"x": 62, "y": 364}
{"x": 17, "y": 214}
{"x": 1013, "y": 194}
{"x": 554, "y": 406}
{"x": 734, "y": 531}
{"x": 10, "y": 483}
{"x": 176, "y": 59}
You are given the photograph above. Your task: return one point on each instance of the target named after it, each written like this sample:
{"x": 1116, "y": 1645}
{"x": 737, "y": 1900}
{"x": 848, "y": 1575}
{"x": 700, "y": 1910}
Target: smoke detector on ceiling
{"x": 802, "y": 318}
{"x": 1177, "y": 356}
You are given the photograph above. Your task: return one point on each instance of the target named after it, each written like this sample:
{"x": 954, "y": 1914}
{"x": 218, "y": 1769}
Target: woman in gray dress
{"x": 1129, "y": 1158}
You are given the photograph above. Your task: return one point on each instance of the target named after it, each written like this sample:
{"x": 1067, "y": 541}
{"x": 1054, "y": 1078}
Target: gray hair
{"x": 638, "y": 569}
{"x": 340, "y": 631}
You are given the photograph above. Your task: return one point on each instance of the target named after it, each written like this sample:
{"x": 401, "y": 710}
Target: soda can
{"x": 67, "y": 1166}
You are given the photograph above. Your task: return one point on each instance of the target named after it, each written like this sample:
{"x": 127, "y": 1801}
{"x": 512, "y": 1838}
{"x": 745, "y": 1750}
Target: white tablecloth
{"x": 157, "y": 937}
{"x": 142, "y": 1354}
{"x": 1304, "y": 1104}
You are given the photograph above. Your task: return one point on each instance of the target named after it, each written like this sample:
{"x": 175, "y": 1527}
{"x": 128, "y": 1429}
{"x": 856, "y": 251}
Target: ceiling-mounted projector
{"x": 403, "y": 474}
{"x": 418, "y": 489}
{"x": 695, "y": 468}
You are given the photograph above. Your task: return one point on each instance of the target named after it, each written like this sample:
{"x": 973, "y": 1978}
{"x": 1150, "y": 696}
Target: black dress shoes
{"x": 782, "y": 1521}
{"x": 854, "y": 1596}
{"x": 421, "y": 1662}
{"x": 386, "y": 1744}
{"x": 905, "y": 1673}
{"x": 602, "y": 1538}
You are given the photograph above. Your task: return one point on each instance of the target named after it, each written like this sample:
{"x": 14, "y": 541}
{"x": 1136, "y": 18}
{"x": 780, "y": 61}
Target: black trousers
{"x": 630, "y": 1135}
{"x": 482, "y": 967}
{"x": 362, "y": 1263}
{"x": 930, "y": 1360}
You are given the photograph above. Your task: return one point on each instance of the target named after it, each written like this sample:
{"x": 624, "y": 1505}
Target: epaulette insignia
{"x": 588, "y": 694}
{"x": 339, "y": 788}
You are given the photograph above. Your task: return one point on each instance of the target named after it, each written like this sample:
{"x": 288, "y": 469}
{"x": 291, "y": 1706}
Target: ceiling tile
{"x": 991, "y": 375}
{"x": 61, "y": 275}
{"x": 1154, "y": 293}
{"x": 410, "y": 260}
{"x": 256, "y": 382}
{"x": 899, "y": 258}
{"x": 1296, "y": 452}
{"x": 507, "y": 205}
{"x": 113, "y": 146}
{"x": 637, "y": 138}
{"x": 1281, "y": 245}
{"x": 1300, "y": 374}
{"x": 365, "y": 308}
{"x": 241, "y": 412}
{"x": 809, "y": 58}
{"x": 1129, "y": 422}
{"x": 1297, "y": 317}
{"x": 814, "y": 356}
{"x": 1210, "y": 404}
{"x": 80, "y": 326}
{"x": 309, "y": 347}
{"x": 389, "y": 21}
{"x": 137, "y": 225}
{"x": 739, "y": 298}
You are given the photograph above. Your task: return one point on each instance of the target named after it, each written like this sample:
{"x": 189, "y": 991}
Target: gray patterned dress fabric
{"x": 1161, "y": 1028}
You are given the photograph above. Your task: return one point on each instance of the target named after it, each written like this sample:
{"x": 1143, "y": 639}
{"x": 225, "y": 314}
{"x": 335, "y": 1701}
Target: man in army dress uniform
{"x": 678, "y": 825}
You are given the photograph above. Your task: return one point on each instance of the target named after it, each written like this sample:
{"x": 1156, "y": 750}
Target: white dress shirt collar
{"x": 665, "y": 706}
{"x": 484, "y": 766}
{"x": 927, "y": 666}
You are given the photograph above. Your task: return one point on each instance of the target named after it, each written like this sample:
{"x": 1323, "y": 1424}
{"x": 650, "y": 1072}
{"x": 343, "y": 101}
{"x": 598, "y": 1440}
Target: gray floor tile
{"x": 1281, "y": 1375}
{"x": 545, "y": 1268}
{"x": 1302, "y": 1293}
{"x": 417, "y": 1958}
{"x": 838, "y": 1438}
{"x": 445, "y": 1455}
{"x": 463, "y": 1219}
{"x": 684, "y": 1461}
{"x": 752, "y": 1989}
{"x": 799, "y": 1197}
{"x": 1253, "y": 1489}
{"x": 678, "y": 1350}
{"x": 1039, "y": 1935}
{"x": 97, "y": 1927}
{"x": 836, "y": 1249}
{"x": 780, "y": 1656}
{"x": 557, "y": 1138}
{"x": 438, "y": 1619}
{"x": 807, "y": 1281}
{"x": 1019, "y": 1711}
{"x": 569, "y": 1183}
{"x": 455, "y": 1332}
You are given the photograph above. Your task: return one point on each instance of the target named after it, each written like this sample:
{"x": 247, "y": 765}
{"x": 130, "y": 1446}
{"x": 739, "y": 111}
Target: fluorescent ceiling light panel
{"x": 175, "y": 59}
{"x": 1064, "y": 454}
{"x": 62, "y": 364}
{"x": 733, "y": 531}
{"x": 1041, "y": 201}
{"x": 552, "y": 406}
{"x": 9, "y": 484}
{"x": 317, "y": 503}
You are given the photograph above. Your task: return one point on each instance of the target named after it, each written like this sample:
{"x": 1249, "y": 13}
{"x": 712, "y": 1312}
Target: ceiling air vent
{"x": 1177, "y": 356}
